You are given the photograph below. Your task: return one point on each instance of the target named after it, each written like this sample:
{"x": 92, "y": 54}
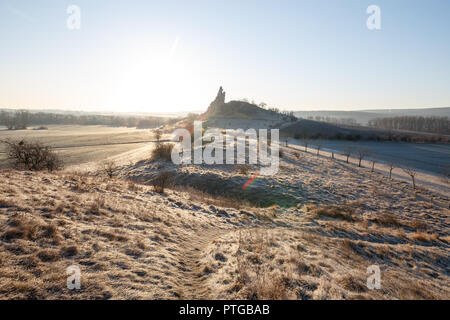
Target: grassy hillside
{"x": 133, "y": 243}
{"x": 242, "y": 110}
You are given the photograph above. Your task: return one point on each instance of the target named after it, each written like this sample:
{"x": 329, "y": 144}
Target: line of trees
{"x": 20, "y": 120}
{"x": 363, "y": 153}
{"x": 440, "y": 125}
{"x": 344, "y": 121}
{"x": 15, "y": 121}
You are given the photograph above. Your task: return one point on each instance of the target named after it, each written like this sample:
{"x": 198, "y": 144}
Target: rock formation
{"x": 220, "y": 99}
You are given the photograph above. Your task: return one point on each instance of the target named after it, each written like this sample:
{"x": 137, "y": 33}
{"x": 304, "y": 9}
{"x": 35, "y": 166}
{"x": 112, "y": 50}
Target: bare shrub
{"x": 362, "y": 153}
{"x": 32, "y": 156}
{"x": 243, "y": 169}
{"x": 319, "y": 146}
{"x": 306, "y": 143}
{"x": 162, "y": 151}
{"x": 391, "y": 167}
{"x": 162, "y": 181}
{"x": 109, "y": 168}
{"x": 410, "y": 171}
{"x": 347, "y": 152}
{"x": 158, "y": 135}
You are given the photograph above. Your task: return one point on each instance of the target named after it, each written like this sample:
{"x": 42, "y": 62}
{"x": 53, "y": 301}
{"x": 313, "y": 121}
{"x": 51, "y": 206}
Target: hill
{"x": 240, "y": 114}
{"x": 364, "y": 116}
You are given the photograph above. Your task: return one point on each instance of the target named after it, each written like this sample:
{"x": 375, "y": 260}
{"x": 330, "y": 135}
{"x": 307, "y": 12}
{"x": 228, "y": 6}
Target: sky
{"x": 171, "y": 56}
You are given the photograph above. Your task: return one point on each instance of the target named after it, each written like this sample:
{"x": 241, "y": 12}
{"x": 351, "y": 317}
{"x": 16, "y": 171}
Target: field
{"x": 329, "y": 222}
{"x": 427, "y": 157}
{"x": 309, "y": 232}
{"x": 83, "y": 144}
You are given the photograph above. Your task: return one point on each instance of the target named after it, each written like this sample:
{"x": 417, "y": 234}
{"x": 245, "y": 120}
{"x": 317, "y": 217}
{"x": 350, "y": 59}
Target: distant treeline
{"x": 439, "y": 125}
{"x": 344, "y": 121}
{"x": 417, "y": 138}
{"x": 20, "y": 120}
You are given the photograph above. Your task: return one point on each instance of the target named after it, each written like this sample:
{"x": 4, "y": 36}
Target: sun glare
{"x": 152, "y": 82}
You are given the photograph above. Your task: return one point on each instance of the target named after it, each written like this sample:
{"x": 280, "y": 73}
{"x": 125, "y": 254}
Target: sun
{"x": 153, "y": 82}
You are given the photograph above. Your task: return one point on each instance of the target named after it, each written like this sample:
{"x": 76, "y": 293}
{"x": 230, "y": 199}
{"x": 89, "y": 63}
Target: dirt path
{"x": 193, "y": 274}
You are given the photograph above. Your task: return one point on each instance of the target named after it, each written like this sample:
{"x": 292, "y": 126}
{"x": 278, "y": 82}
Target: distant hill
{"x": 242, "y": 110}
{"x": 364, "y": 116}
{"x": 311, "y": 128}
{"x": 241, "y": 114}
{"x": 425, "y": 112}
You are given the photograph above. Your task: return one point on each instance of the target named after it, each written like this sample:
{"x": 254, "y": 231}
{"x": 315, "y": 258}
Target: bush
{"x": 243, "y": 169}
{"x": 109, "y": 168}
{"x": 161, "y": 182}
{"x": 162, "y": 151}
{"x": 32, "y": 156}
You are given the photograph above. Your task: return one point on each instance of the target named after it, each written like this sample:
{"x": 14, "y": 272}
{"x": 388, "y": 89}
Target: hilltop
{"x": 240, "y": 114}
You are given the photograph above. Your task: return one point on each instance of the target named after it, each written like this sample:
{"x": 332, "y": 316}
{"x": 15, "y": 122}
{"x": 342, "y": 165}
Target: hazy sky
{"x": 164, "y": 56}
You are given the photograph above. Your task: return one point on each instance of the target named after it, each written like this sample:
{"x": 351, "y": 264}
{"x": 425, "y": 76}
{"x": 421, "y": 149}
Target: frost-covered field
{"x": 206, "y": 239}
{"x": 82, "y": 144}
{"x": 428, "y": 157}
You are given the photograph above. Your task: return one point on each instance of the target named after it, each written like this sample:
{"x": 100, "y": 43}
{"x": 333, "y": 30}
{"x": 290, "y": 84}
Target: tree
{"x": 305, "y": 143}
{"x": 373, "y": 166}
{"x": 362, "y": 153}
{"x": 319, "y": 146}
{"x": 158, "y": 135}
{"x": 391, "y": 167}
{"x": 439, "y": 125}
{"x": 412, "y": 173}
{"x": 32, "y": 156}
{"x": 21, "y": 120}
{"x": 348, "y": 152}
{"x": 263, "y": 105}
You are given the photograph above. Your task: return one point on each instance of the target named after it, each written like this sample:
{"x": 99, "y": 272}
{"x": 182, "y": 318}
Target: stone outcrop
{"x": 220, "y": 99}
